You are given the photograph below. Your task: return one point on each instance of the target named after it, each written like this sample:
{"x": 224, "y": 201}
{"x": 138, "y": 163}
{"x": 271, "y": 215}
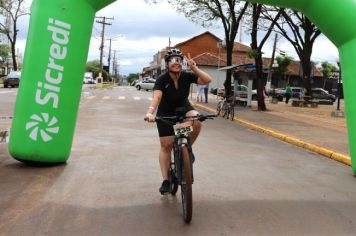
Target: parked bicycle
{"x": 226, "y": 108}
{"x": 181, "y": 168}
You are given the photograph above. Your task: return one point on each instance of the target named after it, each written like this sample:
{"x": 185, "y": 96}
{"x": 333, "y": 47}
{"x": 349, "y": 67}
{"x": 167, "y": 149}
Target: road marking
{"x": 137, "y": 98}
{"x": 106, "y": 97}
{"x": 3, "y": 92}
{"x": 121, "y": 98}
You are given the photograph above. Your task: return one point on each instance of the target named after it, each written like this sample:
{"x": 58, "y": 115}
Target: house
{"x": 208, "y": 52}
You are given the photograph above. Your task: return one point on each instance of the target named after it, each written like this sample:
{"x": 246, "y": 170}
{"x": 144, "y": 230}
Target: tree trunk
{"x": 13, "y": 52}
{"x": 258, "y": 57}
{"x": 13, "y": 45}
{"x": 229, "y": 50}
{"x": 260, "y": 85}
{"x": 307, "y": 67}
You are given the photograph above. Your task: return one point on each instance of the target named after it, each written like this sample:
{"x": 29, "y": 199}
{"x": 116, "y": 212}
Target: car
{"x": 12, "y": 79}
{"x": 297, "y": 92}
{"x": 133, "y": 83}
{"x": 89, "y": 80}
{"x": 278, "y": 93}
{"x": 322, "y": 94}
{"x": 241, "y": 91}
{"x": 214, "y": 90}
{"x": 146, "y": 84}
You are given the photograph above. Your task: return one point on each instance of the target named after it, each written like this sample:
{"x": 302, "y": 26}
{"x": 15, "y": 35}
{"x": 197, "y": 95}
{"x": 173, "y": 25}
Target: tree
{"x": 257, "y": 45}
{"x": 206, "y": 12}
{"x": 131, "y": 77}
{"x": 327, "y": 69}
{"x": 4, "y": 52}
{"x": 283, "y": 63}
{"x": 94, "y": 66}
{"x": 12, "y": 10}
{"x": 301, "y": 33}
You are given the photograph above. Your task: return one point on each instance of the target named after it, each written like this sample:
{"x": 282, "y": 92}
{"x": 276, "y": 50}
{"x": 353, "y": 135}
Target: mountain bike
{"x": 181, "y": 168}
{"x": 226, "y": 108}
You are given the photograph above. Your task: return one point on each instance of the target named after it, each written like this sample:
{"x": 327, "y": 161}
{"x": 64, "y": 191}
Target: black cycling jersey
{"x": 173, "y": 97}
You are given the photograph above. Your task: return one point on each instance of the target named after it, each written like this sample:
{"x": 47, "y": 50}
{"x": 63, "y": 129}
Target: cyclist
{"x": 171, "y": 91}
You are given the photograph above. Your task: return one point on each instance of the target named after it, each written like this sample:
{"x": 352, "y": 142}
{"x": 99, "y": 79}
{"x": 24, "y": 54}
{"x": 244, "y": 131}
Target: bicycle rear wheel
{"x": 232, "y": 112}
{"x": 218, "y": 108}
{"x": 186, "y": 185}
{"x": 225, "y": 110}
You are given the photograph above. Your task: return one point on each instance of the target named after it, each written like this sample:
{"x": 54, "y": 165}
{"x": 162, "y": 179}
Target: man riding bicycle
{"x": 170, "y": 92}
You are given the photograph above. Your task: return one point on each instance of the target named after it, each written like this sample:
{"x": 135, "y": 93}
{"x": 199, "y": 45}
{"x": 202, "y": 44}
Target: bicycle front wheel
{"x": 186, "y": 185}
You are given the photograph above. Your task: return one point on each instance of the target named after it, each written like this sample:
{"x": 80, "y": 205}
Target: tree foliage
{"x": 327, "y": 69}
{"x": 94, "y": 66}
{"x": 131, "y": 77}
{"x": 4, "y": 52}
{"x": 283, "y": 63}
{"x": 12, "y": 10}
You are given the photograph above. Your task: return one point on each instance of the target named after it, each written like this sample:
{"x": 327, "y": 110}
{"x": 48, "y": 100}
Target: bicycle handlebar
{"x": 181, "y": 118}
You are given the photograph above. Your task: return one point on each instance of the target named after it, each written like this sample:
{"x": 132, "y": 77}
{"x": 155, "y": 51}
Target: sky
{"x": 139, "y": 30}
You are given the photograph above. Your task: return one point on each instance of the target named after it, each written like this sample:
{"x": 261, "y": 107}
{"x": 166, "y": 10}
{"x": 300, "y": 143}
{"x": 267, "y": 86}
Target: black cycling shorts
{"x": 165, "y": 129}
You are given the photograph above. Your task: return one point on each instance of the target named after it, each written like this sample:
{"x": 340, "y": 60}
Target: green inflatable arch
{"x": 56, "y": 52}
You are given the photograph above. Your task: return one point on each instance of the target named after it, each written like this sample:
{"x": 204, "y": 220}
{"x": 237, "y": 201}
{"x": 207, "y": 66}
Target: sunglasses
{"x": 177, "y": 60}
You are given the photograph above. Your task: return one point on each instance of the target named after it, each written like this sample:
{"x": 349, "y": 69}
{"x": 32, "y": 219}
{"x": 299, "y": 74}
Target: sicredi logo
{"x": 48, "y": 90}
{"x": 42, "y": 126}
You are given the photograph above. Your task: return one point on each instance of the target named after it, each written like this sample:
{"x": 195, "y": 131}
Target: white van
{"x": 88, "y": 78}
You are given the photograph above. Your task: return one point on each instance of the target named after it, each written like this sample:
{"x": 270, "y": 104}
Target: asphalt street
{"x": 246, "y": 183}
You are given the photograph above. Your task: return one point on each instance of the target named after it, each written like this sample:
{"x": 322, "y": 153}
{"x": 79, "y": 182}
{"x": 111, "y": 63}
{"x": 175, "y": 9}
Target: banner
{"x": 52, "y": 76}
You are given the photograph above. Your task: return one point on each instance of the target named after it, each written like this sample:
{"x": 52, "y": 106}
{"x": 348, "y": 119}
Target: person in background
{"x": 288, "y": 93}
{"x": 206, "y": 90}
{"x": 200, "y": 90}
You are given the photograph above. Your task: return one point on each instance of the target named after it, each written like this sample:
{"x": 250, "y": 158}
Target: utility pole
{"x": 109, "y": 58}
{"x": 269, "y": 76}
{"x": 103, "y": 22}
{"x": 114, "y": 67}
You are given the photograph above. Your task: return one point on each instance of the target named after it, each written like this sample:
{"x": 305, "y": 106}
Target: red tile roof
{"x": 209, "y": 59}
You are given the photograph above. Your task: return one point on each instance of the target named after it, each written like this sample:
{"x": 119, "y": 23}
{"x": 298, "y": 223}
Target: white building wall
{"x": 218, "y": 77}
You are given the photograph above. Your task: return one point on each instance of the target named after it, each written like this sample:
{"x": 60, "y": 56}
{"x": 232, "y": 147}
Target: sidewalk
{"x": 310, "y": 128}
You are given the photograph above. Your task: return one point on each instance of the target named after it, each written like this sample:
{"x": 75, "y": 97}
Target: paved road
{"x": 246, "y": 183}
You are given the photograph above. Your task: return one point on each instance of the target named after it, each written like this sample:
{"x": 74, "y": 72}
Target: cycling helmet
{"x": 174, "y": 52}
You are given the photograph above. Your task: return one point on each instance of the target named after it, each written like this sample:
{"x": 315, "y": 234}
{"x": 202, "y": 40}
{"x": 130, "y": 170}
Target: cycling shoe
{"x": 165, "y": 187}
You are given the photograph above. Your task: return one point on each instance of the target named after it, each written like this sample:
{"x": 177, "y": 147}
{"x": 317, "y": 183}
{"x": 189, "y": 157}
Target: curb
{"x": 288, "y": 139}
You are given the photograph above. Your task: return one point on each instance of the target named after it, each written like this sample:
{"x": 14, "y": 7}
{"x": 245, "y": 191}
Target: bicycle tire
{"x": 218, "y": 108}
{"x": 232, "y": 112}
{"x": 186, "y": 186}
{"x": 226, "y": 111}
{"x": 173, "y": 182}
